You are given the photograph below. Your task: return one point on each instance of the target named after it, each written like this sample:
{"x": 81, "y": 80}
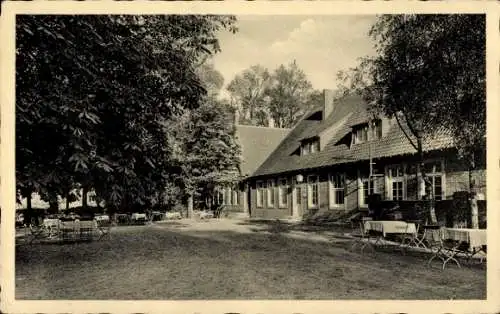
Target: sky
{"x": 321, "y": 45}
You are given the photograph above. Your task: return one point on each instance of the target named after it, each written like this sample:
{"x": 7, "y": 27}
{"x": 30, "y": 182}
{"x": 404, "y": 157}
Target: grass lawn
{"x": 168, "y": 262}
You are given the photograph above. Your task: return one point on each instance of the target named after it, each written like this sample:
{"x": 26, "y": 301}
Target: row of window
{"x": 367, "y": 132}
{"x": 360, "y": 134}
{"x": 228, "y": 196}
{"x": 396, "y": 183}
{"x": 310, "y": 146}
{"x": 266, "y": 193}
{"x": 397, "y": 178}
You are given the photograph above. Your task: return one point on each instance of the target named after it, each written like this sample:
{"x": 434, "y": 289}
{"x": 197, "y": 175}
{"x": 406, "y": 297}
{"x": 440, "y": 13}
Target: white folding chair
{"x": 364, "y": 239}
{"x": 417, "y": 239}
{"x": 444, "y": 250}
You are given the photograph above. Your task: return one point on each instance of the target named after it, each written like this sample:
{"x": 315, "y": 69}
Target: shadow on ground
{"x": 165, "y": 263}
{"x": 285, "y": 226}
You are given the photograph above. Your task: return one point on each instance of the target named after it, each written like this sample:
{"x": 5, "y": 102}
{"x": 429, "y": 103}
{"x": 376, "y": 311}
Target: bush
{"x": 179, "y": 208}
{"x": 447, "y": 211}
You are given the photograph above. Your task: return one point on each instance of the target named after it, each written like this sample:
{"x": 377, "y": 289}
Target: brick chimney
{"x": 328, "y": 103}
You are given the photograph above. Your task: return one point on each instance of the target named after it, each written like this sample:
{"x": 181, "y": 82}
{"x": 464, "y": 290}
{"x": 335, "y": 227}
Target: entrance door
{"x": 297, "y": 200}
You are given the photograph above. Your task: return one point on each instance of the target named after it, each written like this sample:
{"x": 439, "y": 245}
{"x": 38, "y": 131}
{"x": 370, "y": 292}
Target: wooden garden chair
{"x": 418, "y": 239}
{"x": 446, "y": 251}
{"x": 68, "y": 230}
{"x": 104, "y": 229}
{"x": 37, "y": 233}
{"x": 86, "y": 229}
{"x": 364, "y": 239}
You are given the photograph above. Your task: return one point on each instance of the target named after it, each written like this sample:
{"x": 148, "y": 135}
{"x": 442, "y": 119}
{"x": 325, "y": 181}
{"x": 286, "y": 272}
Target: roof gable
{"x": 256, "y": 145}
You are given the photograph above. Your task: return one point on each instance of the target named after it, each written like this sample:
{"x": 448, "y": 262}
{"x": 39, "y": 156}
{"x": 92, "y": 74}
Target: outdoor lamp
{"x": 299, "y": 178}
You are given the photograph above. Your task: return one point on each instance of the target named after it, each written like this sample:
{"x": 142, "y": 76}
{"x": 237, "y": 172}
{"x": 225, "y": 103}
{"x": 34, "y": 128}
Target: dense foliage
{"x": 429, "y": 73}
{"x": 206, "y": 150}
{"x": 289, "y": 93}
{"x": 93, "y": 97}
{"x": 247, "y": 94}
{"x": 283, "y": 95}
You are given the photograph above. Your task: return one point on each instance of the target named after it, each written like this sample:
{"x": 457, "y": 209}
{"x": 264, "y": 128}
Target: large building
{"x": 257, "y": 143}
{"x": 323, "y": 164}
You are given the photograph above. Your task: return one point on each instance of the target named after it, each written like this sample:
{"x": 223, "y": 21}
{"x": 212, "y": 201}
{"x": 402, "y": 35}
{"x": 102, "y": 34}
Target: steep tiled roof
{"x": 257, "y": 143}
{"x": 347, "y": 112}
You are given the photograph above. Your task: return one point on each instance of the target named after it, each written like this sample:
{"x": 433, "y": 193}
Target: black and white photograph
{"x": 246, "y": 155}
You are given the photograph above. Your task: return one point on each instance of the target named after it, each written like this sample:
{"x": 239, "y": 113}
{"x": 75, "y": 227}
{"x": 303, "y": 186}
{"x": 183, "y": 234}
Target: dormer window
{"x": 309, "y": 146}
{"x": 360, "y": 134}
{"x": 367, "y": 132}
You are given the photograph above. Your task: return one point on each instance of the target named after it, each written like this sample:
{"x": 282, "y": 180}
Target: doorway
{"x": 298, "y": 200}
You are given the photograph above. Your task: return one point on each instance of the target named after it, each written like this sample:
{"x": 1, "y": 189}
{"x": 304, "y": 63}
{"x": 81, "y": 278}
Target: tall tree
{"x": 94, "y": 93}
{"x": 247, "y": 93}
{"x": 429, "y": 73}
{"x": 289, "y": 93}
{"x": 211, "y": 79}
{"x": 205, "y": 149}
{"x": 315, "y": 99}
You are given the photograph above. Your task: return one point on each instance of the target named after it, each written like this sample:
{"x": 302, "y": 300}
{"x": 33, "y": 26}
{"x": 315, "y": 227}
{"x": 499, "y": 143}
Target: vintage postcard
{"x": 249, "y": 157}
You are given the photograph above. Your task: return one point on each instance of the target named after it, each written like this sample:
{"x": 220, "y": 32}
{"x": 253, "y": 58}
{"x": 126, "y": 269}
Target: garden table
{"x": 475, "y": 238}
{"x": 173, "y": 215}
{"x": 102, "y": 217}
{"x": 383, "y": 227}
{"x": 449, "y": 242}
{"x": 139, "y": 217}
{"x": 51, "y": 222}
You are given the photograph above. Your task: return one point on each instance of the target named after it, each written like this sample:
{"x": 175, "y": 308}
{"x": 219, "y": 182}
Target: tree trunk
{"x": 432, "y": 207}
{"x": 28, "y": 215}
{"x": 422, "y": 184}
{"x": 54, "y": 205}
{"x": 28, "y": 202}
{"x": 474, "y": 210}
{"x": 190, "y": 206}
{"x": 67, "y": 201}
{"x": 85, "y": 191}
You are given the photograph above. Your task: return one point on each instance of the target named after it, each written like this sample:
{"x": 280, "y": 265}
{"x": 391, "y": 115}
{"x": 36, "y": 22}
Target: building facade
{"x": 257, "y": 143}
{"x": 339, "y": 154}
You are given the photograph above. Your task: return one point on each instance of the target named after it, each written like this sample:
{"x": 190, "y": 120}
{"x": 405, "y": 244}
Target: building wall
{"x": 267, "y": 211}
{"x": 459, "y": 181}
{"x": 455, "y": 178}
